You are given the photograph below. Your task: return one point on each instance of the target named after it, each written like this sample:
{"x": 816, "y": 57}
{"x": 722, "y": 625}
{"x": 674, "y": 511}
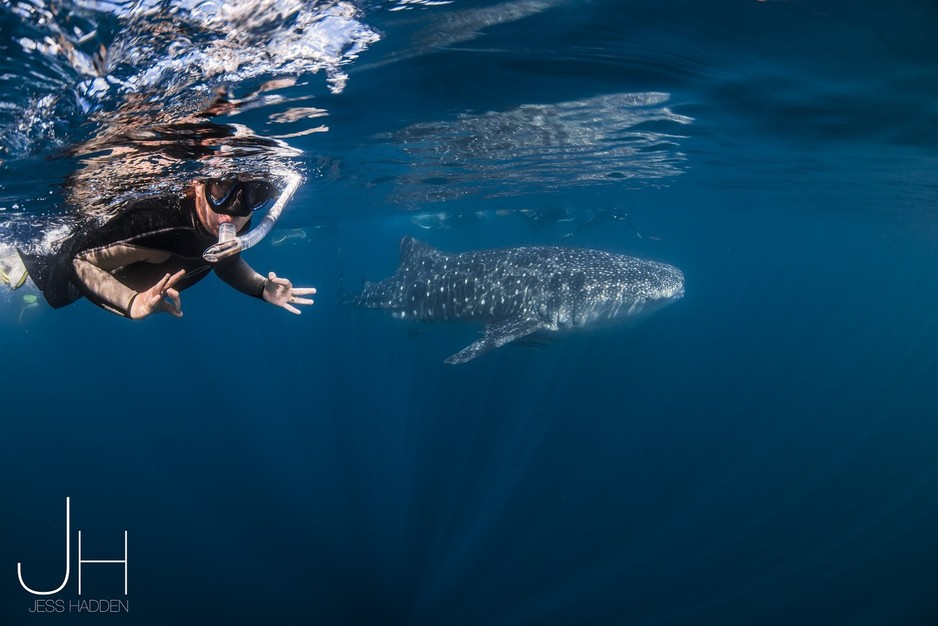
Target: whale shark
{"x": 519, "y": 291}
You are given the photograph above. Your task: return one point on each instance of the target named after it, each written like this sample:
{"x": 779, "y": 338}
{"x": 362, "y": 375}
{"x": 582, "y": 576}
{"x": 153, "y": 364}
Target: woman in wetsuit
{"x": 137, "y": 263}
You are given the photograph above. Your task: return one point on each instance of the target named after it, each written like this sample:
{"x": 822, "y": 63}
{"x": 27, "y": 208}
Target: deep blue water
{"x": 761, "y": 452}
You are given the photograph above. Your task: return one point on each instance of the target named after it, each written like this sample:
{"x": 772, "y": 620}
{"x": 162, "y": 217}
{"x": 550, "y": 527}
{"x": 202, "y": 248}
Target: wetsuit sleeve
{"x": 242, "y": 277}
{"x": 94, "y": 279}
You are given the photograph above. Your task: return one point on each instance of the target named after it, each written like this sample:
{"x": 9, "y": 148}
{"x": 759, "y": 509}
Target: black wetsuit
{"x": 152, "y": 237}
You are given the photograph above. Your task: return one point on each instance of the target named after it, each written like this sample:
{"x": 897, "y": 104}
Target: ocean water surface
{"x": 760, "y": 452}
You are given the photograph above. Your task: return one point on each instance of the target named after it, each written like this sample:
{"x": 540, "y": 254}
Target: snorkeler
{"x": 137, "y": 263}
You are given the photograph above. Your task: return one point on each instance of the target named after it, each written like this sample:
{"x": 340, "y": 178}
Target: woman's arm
{"x": 95, "y": 281}
{"x": 241, "y": 276}
{"x": 276, "y": 291}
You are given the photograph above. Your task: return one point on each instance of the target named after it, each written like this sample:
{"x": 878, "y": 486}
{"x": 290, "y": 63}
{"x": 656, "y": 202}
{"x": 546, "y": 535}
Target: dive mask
{"x": 236, "y": 197}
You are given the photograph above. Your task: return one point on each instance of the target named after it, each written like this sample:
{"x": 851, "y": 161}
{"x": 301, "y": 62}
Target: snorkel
{"x": 229, "y": 244}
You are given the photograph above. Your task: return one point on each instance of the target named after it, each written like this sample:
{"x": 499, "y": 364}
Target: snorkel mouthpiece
{"x": 230, "y": 245}
{"x": 227, "y": 245}
{"x": 226, "y": 232}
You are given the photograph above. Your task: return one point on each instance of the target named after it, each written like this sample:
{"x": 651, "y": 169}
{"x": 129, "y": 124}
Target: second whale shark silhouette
{"x": 519, "y": 291}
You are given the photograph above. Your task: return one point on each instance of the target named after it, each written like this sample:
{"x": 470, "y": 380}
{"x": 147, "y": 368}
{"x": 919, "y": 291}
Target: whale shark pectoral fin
{"x": 496, "y": 334}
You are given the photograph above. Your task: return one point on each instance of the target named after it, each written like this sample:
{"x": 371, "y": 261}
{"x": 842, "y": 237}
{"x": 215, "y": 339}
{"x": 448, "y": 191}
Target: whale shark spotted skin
{"x": 519, "y": 291}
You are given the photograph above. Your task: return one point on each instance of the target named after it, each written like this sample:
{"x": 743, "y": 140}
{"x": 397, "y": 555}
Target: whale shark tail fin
{"x": 414, "y": 251}
{"x": 497, "y": 334}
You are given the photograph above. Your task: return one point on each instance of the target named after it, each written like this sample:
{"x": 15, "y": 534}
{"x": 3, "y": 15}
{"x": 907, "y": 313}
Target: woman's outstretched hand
{"x": 280, "y": 292}
{"x": 160, "y": 298}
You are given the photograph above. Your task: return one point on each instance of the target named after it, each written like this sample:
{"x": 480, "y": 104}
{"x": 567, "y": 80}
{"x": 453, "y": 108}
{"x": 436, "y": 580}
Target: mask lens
{"x": 217, "y": 192}
{"x": 256, "y": 193}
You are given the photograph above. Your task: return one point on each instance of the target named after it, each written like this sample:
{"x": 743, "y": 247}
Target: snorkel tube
{"x": 229, "y": 245}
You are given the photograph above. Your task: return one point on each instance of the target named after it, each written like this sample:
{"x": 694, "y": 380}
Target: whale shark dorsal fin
{"x": 497, "y": 334}
{"x": 413, "y": 251}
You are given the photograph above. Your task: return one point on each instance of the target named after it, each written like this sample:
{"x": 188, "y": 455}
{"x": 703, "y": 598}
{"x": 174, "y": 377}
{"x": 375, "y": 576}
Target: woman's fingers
{"x": 173, "y": 295}
{"x": 160, "y": 286}
{"x": 175, "y": 277}
{"x": 163, "y": 297}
